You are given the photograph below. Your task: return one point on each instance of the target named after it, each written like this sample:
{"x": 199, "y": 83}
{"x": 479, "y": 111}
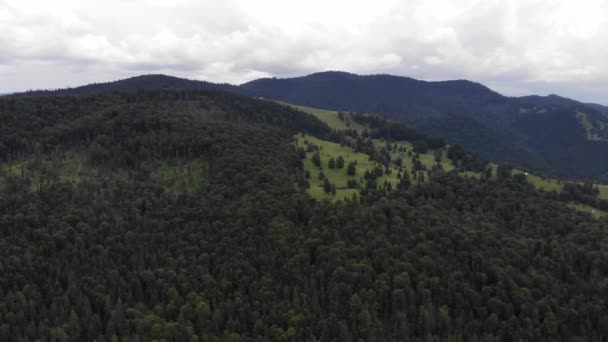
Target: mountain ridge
{"x": 500, "y": 128}
{"x": 233, "y": 87}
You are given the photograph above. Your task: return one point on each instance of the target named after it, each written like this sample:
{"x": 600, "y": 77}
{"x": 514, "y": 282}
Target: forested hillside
{"x": 550, "y": 134}
{"x": 148, "y": 82}
{"x": 183, "y": 216}
{"x": 547, "y": 134}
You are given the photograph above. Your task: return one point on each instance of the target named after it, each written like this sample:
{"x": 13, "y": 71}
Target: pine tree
{"x": 339, "y": 162}
{"x": 316, "y": 159}
{"x": 327, "y": 186}
{"x": 351, "y": 170}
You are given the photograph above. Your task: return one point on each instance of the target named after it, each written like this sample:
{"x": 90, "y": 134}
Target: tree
{"x": 327, "y": 186}
{"x": 351, "y": 169}
{"x": 332, "y": 163}
{"x": 420, "y": 146}
{"x": 503, "y": 171}
{"x": 316, "y": 159}
{"x": 340, "y": 162}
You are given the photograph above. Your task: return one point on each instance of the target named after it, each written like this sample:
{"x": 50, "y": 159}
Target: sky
{"x": 516, "y": 47}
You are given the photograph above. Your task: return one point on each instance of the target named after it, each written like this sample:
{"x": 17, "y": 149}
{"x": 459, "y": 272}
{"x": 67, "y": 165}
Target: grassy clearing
{"x": 596, "y": 213}
{"x": 471, "y": 174}
{"x": 330, "y": 117}
{"x": 551, "y": 184}
{"x": 427, "y": 159}
{"x": 180, "y": 176}
{"x": 547, "y": 184}
{"x": 339, "y": 177}
{"x": 64, "y": 168}
{"x": 72, "y": 168}
{"x": 603, "y": 188}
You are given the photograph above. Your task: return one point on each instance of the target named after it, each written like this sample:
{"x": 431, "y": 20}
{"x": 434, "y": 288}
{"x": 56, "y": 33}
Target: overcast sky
{"x": 514, "y": 47}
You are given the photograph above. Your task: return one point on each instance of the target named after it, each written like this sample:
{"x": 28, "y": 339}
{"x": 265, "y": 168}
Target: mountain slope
{"x": 551, "y": 134}
{"x": 182, "y": 216}
{"x": 498, "y": 127}
{"x": 390, "y": 94}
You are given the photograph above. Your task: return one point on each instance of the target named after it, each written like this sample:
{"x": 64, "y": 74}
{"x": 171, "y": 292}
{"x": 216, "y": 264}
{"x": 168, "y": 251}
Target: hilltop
{"x": 149, "y": 82}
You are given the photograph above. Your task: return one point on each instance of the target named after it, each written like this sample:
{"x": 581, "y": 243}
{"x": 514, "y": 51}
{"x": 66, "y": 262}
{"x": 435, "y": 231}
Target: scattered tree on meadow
{"x": 339, "y": 162}
{"x": 327, "y": 185}
{"x": 332, "y": 163}
{"x": 316, "y": 159}
{"x": 351, "y": 169}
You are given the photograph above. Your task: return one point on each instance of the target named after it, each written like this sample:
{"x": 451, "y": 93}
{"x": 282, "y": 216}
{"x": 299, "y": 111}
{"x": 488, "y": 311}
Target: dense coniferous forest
{"x": 168, "y": 215}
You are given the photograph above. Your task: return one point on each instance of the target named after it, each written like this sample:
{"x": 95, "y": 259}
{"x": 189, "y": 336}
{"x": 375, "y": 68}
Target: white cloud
{"x": 508, "y": 44}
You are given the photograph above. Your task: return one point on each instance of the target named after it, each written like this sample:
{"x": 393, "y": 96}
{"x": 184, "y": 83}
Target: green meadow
{"x": 588, "y": 209}
{"x": 339, "y": 177}
{"x": 330, "y": 117}
{"x": 175, "y": 176}
{"x": 397, "y": 150}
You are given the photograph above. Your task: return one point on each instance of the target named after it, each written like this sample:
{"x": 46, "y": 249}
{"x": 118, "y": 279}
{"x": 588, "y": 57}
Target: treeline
{"x": 381, "y": 128}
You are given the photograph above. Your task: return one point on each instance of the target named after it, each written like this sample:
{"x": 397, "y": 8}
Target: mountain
{"x": 550, "y": 134}
{"x": 186, "y": 215}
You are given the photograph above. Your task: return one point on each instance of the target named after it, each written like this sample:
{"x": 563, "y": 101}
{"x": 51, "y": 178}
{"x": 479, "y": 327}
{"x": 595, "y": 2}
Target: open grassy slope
{"x": 588, "y": 209}
{"x": 546, "y": 184}
{"x": 552, "y": 184}
{"x": 73, "y": 168}
{"x": 339, "y": 177}
{"x": 334, "y": 119}
{"x": 427, "y": 159}
{"x": 398, "y": 150}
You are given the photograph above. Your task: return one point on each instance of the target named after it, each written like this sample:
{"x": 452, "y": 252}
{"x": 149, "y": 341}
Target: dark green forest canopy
{"x": 247, "y": 255}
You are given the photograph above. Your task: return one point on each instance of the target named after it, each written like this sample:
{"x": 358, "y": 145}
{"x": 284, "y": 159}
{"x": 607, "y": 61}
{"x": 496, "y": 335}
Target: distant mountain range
{"x": 552, "y": 134}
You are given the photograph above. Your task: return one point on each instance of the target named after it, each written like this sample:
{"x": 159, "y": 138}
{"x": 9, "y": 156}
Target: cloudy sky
{"x": 515, "y": 47}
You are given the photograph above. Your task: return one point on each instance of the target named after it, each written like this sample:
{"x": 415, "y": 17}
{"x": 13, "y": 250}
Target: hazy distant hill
{"x": 548, "y": 133}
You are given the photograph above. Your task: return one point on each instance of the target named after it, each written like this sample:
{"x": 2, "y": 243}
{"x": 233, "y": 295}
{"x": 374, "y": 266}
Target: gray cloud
{"x": 516, "y": 47}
